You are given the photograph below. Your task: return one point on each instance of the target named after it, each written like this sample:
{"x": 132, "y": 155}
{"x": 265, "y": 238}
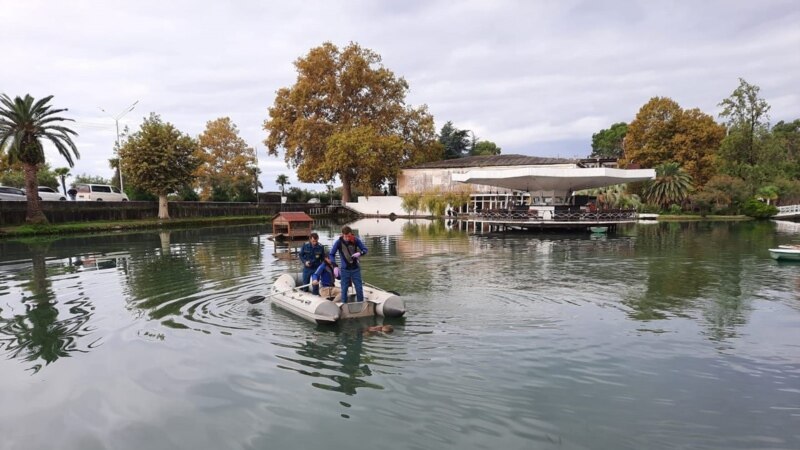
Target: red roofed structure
{"x": 291, "y": 225}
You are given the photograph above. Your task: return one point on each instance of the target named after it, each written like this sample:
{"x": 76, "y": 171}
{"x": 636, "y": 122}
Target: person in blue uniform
{"x": 324, "y": 278}
{"x": 350, "y": 250}
{"x": 312, "y": 255}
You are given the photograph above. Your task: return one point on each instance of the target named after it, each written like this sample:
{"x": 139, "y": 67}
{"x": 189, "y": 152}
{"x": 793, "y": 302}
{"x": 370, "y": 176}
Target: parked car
{"x": 49, "y": 194}
{"x": 99, "y": 193}
{"x": 12, "y": 194}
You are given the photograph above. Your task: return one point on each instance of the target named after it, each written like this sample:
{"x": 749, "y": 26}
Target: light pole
{"x": 116, "y": 122}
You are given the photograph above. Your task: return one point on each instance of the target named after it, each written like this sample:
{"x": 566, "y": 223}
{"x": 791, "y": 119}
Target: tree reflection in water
{"x": 338, "y": 357}
{"x": 37, "y": 335}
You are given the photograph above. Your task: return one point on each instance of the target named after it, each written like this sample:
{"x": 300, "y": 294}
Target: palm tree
{"x": 62, "y": 173}
{"x": 671, "y": 186}
{"x": 24, "y": 123}
{"x": 282, "y": 181}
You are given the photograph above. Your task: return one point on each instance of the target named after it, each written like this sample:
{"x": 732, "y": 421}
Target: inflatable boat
{"x": 287, "y": 293}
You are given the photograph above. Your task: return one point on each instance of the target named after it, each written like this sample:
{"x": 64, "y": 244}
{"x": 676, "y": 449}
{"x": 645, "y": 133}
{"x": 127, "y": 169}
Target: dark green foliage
{"x": 219, "y": 194}
{"x": 456, "y": 142}
{"x": 188, "y": 194}
{"x": 607, "y": 143}
{"x": 90, "y": 179}
{"x": 136, "y": 194}
{"x": 759, "y": 210}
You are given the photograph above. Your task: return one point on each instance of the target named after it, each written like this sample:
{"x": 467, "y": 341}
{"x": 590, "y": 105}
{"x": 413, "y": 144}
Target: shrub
{"x": 759, "y": 210}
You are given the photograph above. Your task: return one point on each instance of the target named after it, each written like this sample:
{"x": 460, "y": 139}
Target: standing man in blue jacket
{"x": 312, "y": 254}
{"x": 350, "y": 250}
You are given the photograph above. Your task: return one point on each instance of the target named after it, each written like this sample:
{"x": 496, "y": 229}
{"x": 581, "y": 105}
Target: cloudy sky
{"x": 535, "y": 77}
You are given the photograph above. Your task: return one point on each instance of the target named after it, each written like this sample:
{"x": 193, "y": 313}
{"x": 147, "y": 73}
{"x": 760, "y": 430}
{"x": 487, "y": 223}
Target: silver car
{"x": 12, "y": 194}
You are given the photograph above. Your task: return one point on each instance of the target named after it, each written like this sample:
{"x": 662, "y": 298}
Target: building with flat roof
{"x": 503, "y": 181}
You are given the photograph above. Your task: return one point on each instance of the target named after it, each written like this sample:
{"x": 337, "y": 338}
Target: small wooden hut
{"x": 291, "y": 225}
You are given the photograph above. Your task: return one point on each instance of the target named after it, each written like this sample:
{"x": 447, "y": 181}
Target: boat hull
{"x": 786, "y": 254}
{"x": 314, "y": 308}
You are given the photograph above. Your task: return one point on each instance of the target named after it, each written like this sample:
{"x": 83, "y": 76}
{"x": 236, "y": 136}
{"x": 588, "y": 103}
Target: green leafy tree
{"x": 62, "y": 173}
{"x": 159, "y": 159}
{"x": 786, "y": 137}
{"x": 607, "y": 143}
{"x": 721, "y": 194}
{"x": 90, "y": 179}
{"x": 671, "y": 187}
{"x": 227, "y": 161}
{"x": 412, "y": 203}
{"x": 113, "y": 163}
{"x": 282, "y": 181}
{"x": 15, "y": 176}
{"x": 341, "y": 101}
{"x": 747, "y": 120}
{"x": 24, "y": 124}
{"x": 456, "y": 142}
{"x": 485, "y": 148}
{"x": 768, "y": 194}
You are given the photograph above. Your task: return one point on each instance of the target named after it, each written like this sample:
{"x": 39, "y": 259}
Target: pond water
{"x": 657, "y": 336}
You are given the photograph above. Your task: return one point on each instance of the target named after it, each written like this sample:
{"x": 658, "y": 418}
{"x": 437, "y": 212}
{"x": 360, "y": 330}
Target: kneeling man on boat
{"x": 350, "y": 249}
{"x": 325, "y": 277}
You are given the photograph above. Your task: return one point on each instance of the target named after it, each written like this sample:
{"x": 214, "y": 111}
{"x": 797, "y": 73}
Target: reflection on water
{"x": 660, "y": 336}
{"x": 337, "y": 359}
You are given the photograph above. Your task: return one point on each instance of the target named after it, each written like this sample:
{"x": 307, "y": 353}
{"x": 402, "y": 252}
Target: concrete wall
{"x": 379, "y": 205}
{"x": 13, "y": 213}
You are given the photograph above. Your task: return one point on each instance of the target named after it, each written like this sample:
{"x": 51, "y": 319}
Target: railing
{"x": 788, "y": 210}
{"x": 557, "y": 216}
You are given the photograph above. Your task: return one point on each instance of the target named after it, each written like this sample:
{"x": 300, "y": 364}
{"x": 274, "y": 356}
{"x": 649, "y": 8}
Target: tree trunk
{"x": 163, "y": 209}
{"x": 345, "y": 186}
{"x": 34, "y": 214}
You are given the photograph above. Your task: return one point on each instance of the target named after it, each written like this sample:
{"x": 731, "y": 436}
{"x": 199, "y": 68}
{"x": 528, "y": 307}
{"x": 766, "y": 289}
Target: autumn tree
{"x": 227, "y": 162}
{"x": 346, "y": 117}
{"x": 24, "y": 124}
{"x": 607, "y": 143}
{"x": 159, "y": 159}
{"x": 663, "y": 132}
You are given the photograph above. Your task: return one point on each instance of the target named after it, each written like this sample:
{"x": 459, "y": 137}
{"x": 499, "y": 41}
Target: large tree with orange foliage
{"x": 663, "y": 132}
{"x": 346, "y": 117}
{"x": 228, "y": 163}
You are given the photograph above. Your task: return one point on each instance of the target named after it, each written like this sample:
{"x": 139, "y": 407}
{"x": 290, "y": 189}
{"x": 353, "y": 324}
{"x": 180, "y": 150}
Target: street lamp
{"x": 116, "y": 122}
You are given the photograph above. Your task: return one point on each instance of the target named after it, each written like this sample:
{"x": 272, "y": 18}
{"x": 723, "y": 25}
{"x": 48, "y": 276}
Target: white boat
{"x": 287, "y": 295}
{"x": 598, "y": 229}
{"x": 789, "y": 254}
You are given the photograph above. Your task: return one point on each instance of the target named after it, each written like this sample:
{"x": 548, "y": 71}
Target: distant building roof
{"x": 493, "y": 160}
{"x": 295, "y": 216}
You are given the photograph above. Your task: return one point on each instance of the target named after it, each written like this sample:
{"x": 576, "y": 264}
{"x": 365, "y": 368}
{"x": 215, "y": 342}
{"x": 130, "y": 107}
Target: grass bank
{"x": 105, "y": 226}
{"x": 699, "y": 218}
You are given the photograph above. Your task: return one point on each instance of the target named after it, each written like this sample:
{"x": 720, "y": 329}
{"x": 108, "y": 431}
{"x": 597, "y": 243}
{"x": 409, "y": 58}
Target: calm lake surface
{"x": 658, "y": 336}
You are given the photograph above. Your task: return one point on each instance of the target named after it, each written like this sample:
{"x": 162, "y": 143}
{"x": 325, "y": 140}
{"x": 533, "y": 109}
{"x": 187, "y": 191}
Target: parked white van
{"x": 99, "y": 193}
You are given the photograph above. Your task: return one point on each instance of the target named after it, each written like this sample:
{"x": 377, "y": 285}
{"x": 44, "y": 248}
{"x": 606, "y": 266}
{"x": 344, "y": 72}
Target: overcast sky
{"x": 535, "y": 77}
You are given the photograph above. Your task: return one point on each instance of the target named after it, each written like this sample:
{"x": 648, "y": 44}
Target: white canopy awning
{"x": 553, "y": 179}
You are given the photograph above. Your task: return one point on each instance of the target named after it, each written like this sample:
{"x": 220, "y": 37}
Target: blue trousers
{"x": 307, "y": 272}
{"x": 355, "y": 276}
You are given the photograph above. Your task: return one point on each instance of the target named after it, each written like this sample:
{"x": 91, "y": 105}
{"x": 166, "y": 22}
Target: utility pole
{"x": 116, "y": 122}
